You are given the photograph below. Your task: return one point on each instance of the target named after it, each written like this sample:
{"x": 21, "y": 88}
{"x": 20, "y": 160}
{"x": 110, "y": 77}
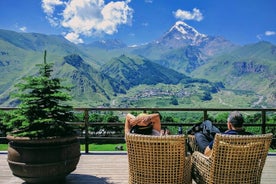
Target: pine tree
{"x": 42, "y": 111}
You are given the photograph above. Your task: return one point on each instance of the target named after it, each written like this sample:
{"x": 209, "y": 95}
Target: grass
{"x": 3, "y": 147}
{"x": 103, "y": 147}
{"x": 92, "y": 147}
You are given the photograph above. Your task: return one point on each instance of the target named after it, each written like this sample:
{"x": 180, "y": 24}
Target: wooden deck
{"x": 110, "y": 168}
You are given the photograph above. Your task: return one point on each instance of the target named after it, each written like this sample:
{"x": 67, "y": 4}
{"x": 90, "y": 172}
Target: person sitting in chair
{"x": 152, "y": 120}
{"x": 235, "y": 127}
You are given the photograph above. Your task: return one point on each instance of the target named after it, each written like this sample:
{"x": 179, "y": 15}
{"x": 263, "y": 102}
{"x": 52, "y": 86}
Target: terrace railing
{"x": 86, "y": 138}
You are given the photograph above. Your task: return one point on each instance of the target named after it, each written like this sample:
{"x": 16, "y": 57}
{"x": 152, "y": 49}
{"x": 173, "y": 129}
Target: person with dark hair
{"x": 235, "y": 127}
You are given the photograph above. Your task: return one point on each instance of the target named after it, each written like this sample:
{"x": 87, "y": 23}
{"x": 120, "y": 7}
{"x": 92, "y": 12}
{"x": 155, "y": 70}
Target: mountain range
{"x": 182, "y": 64}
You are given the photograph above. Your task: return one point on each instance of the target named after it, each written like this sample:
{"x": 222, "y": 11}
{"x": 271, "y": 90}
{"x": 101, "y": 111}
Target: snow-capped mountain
{"x": 181, "y": 34}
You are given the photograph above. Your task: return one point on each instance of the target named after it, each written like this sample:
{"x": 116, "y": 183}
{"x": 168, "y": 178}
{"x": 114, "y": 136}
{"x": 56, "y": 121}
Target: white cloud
{"x": 270, "y": 33}
{"x": 187, "y": 15}
{"x": 23, "y": 29}
{"x": 266, "y": 33}
{"x": 88, "y": 17}
{"x": 259, "y": 36}
{"x": 49, "y": 5}
{"x": 73, "y": 37}
{"x": 148, "y": 1}
{"x": 145, "y": 24}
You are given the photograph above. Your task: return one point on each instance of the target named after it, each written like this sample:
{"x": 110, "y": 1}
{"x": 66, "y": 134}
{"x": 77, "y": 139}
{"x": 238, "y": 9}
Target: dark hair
{"x": 236, "y": 119}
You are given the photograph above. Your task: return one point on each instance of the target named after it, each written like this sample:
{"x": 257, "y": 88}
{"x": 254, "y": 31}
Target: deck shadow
{"x": 85, "y": 179}
{"x": 79, "y": 179}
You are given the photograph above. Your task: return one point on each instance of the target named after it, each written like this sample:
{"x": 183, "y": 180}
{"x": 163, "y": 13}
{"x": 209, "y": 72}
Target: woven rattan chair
{"x": 237, "y": 159}
{"x": 192, "y": 143}
{"x": 158, "y": 159}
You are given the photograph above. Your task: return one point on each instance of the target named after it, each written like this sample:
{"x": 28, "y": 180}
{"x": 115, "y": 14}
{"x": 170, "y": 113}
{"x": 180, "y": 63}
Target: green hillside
{"x": 145, "y": 76}
{"x": 131, "y": 72}
{"x": 249, "y": 68}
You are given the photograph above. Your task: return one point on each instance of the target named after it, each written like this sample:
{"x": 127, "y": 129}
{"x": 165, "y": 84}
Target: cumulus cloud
{"x": 87, "y": 17}
{"x": 49, "y": 7}
{"x": 145, "y": 24}
{"x": 73, "y": 37}
{"x": 23, "y": 29}
{"x": 270, "y": 33}
{"x": 187, "y": 15}
{"x": 259, "y": 36}
{"x": 148, "y": 1}
{"x": 266, "y": 33}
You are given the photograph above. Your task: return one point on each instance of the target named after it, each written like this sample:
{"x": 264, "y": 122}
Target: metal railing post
{"x": 263, "y": 121}
{"x": 205, "y": 115}
{"x": 86, "y": 124}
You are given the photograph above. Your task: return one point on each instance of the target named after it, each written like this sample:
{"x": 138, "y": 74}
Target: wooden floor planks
{"x": 110, "y": 168}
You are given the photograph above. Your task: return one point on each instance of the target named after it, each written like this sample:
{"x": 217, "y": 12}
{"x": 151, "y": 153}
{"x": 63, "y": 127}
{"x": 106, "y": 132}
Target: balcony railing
{"x": 86, "y": 138}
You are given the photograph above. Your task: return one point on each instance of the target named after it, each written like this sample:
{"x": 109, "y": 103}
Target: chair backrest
{"x": 157, "y": 159}
{"x": 239, "y": 158}
{"x": 192, "y": 143}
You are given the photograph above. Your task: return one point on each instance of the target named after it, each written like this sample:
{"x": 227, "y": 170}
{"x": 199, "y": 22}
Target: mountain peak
{"x": 185, "y": 29}
{"x": 181, "y": 34}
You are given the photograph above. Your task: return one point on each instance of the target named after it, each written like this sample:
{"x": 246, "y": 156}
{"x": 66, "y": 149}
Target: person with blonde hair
{"x": 149, "y": 122}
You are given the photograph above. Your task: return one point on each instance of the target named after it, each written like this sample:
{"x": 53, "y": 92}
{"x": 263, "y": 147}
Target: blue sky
{"x": 141, "y": 21}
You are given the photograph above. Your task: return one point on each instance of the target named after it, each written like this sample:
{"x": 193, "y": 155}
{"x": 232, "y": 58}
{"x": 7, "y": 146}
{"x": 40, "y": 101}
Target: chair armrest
{"x": 192, "y": 143}
{"x": 201, "y": 166}
{"x": 188, "y": 169}
{"x": 200, "y": 155}
{"x": 201, "y": 159}
{"x": 188, "y": 160}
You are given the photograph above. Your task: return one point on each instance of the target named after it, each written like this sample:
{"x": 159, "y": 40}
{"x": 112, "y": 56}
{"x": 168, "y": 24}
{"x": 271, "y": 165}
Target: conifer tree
{"x": 42, "y": 111}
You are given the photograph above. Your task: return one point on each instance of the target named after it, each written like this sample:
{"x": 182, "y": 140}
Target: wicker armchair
{"x": 192, "y": 143}
{"x": 158, "y": 159}
{"x": 235, "y": 159}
